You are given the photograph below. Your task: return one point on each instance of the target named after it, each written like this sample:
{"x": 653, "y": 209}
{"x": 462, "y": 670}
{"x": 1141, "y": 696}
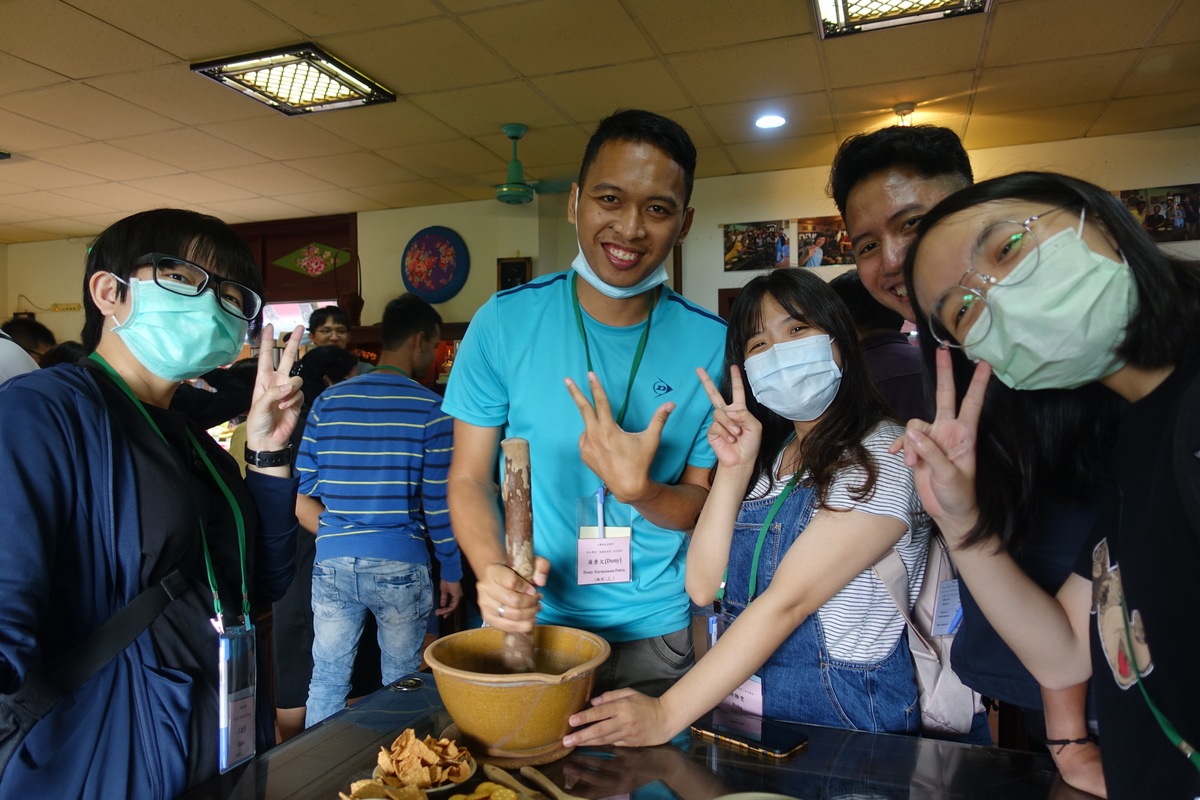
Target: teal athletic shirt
{"x": 509, "y": 373}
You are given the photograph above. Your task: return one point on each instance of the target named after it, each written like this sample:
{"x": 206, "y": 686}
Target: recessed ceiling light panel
{"x": 843, "y": 17}
{"x": 298, "y": 79}
{"x": 770, "y": 121}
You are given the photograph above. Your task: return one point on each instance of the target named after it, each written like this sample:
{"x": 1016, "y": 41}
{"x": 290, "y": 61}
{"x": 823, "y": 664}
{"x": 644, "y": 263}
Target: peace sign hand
{"x": 942, "y": 454}
{"x": 277, "y": 398}
{"x": 735, "y": 435}
{"x": 620, "y": 459}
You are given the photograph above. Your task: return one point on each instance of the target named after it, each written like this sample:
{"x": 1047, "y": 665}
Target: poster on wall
{"x": 1168, "y": 213}
{"x": 822, "y": 242}
{"x": 756, "y": 245}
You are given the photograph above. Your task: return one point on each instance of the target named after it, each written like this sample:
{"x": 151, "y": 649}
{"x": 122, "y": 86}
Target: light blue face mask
{"x": 798, "y": 379}
{"x": 178, "y": 337}
{"x": 585, "y": 271}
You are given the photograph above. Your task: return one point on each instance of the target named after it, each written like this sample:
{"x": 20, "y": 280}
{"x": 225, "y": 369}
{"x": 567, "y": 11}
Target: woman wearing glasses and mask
{"x": 114, "y": 497}
{"x": 1048, "y": 282}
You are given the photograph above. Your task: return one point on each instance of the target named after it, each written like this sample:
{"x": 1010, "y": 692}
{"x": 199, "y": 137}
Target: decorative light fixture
{"x": 904, "y": 113}
{"x": 843, "y": 17}
{"x": 770, "y": 121}
{"x": 298, "y": 79}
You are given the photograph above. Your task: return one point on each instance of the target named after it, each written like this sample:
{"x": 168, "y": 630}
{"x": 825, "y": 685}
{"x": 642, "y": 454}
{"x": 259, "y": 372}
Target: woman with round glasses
{"x": 113, "y": 497}
{"x": 1049, "y": 282}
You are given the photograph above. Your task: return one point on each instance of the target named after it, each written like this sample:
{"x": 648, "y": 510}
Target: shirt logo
{"x": 661, "y": 387}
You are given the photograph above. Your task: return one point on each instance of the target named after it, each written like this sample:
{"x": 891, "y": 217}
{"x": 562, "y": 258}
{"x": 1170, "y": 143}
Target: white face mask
{"x": 798, "y": 379}
{"x": 1059, "y": 326}
{"x": 584, "y": 269}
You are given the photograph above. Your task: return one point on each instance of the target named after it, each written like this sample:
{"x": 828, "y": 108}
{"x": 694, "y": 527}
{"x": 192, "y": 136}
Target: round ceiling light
{"x": 770, "y": 121}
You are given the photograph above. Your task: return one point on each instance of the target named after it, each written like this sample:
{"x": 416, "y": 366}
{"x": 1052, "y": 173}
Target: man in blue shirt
{"x": 607, "y": 328}
{"x": 373, "y": 466}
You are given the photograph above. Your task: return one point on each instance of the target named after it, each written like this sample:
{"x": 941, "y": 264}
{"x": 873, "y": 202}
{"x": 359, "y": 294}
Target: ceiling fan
{"x": 516, "y": 190}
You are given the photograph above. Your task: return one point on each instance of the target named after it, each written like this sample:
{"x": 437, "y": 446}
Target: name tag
{"x": 236, "y": 699}
{"x": 605, "y": 528}
{"x": 947, "y": 610}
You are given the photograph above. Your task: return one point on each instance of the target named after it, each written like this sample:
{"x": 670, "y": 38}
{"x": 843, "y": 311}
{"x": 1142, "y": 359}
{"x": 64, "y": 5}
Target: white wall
{"x": 47, "y": 273}
{"x": 1130, "y": 161}
{"x": 4, "y": 306}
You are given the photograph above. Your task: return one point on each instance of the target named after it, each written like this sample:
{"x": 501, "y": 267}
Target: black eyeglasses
{"x": 185, "y": 278}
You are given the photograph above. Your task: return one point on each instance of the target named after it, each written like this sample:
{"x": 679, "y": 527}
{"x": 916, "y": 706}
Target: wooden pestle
{"x": 518, "y": 535}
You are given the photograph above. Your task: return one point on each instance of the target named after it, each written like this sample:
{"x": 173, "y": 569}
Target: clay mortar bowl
{"x": 515, "y": 716}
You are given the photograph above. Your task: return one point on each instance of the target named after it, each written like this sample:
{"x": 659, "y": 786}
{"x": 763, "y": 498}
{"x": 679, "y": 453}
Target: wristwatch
{"x": 269, "y": 458}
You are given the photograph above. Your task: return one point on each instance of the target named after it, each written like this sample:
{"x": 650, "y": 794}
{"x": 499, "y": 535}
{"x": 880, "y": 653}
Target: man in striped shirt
{"x": 373, "y": 466}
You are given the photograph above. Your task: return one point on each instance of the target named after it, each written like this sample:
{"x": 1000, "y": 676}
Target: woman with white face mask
{"x": 805, "y": 499}
{"x": 114, "y": 497}
{"x": 1049, "y": 282}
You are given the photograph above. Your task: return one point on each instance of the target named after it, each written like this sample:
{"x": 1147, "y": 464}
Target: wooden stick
{"x": 518, "y": 535}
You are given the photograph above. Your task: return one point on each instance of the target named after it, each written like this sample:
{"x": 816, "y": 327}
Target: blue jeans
{"x": 801, "y": 682}
{"x": 400, "y": 595}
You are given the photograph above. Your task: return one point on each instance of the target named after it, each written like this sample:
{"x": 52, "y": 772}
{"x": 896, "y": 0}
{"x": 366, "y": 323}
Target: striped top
{"x": 376, "y": 452}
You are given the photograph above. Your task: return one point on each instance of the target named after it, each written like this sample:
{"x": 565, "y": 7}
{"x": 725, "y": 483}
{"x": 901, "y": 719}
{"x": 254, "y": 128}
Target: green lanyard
{"x": 752, "y": 589}
{"x": 637, "y": 356}
{"x": 233, "y": 505}
{"x": 393, "y": 369}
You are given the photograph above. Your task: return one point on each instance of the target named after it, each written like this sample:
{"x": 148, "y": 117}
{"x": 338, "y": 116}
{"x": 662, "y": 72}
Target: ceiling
{"x": 103, "y": 116}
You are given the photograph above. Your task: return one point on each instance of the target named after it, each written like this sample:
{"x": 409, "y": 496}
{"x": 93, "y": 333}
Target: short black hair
{"x": 176, "y": 232}
{"x": 407, "y": 316}
{"x": 68, "y": 352}
{"x": 929, "y": 150}
{"x": 326, "y": 361}
{"x": 29, "y": 333}
{"x": 869, "y": 314}
{"x": 635, "y": 125}
{"x": 327, "y": 314}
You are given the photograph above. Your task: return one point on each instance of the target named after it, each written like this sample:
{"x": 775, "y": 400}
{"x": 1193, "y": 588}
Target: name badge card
{"x": 236, "y": 699}
{"x": 604, "y": 544}
{"x": 947, "y": 610}
{"x": 747, "y": 698}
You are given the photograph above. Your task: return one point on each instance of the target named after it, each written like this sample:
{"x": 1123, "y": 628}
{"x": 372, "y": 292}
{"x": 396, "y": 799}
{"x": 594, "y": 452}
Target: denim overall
{"x": 800, "y": 682}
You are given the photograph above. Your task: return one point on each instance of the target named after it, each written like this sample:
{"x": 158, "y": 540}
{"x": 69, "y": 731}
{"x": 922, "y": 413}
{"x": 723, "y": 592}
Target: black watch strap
{"x": 272, "y": 458}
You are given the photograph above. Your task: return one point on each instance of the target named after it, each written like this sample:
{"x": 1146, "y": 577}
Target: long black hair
{"x": 835, "y": 443}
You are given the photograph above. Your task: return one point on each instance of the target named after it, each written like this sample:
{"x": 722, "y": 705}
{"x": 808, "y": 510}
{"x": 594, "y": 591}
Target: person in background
{"x": 329, "y": 325}
{"x": 815, "y": 252}
{"x": 117, "y": 494}
{"x": 884, "y": 183}
{"x": 372, "y": 468}
{"x": 805, "y": 499}
{"x": 34, "y": 337}
{"x": 67, "y": 352}
{"x": 893, "y": 362}
{"x": 13, "y": 358}
{"x": 1047, "y": 281}
{"x": 608, "y": 323}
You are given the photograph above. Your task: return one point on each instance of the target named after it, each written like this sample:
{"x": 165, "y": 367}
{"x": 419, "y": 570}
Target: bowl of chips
{"x": 515, "y": 716}
{"x": 411, "y": 767}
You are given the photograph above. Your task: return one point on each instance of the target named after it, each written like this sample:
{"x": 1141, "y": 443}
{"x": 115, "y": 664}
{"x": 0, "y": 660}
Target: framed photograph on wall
{"x": 513, "y": 272}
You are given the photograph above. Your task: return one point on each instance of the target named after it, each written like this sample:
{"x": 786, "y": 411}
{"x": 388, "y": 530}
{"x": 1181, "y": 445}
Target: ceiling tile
{"x": 279, "y": 137}
{"x": 333, "y": 201}
{"x": 805, "y": 151}
{"x": 189, "y": 149}
{"x": 116, "y": 195}
{"x": 25, "y": 171}
{"x": 463, "y": 6}
{"x": 712, "y": 161}
{"x": 1023, "y": 127}
{"x": 18, "y": 213}
{"x": 50, "y": 204}
{"x": 269, "y": 179}
{"x": 191, "y": 189}
{"x": 540, "y": 147}
{"x": 323, "y": 18}
{"x": 1156, "y": 112}
{"x": 696, "y": 126}
{"x": 195, "y": 31}
{"x": 701, "y": 24}
{"x": 422, "y": 57}
{"x": 1067, "y": 28}
{"x": 85, "y": 111}
{"x": 1175, "y": 68}
{"x": 13, "y": 234}
{"x": 445, "y": 158}
{"x": 17, "y": 75}
{"x": 938, "y": 94}
{"x": 1049, "y": 84}
{"x": 1182, "y": 26}
{"x": 751, "y": 71}
{"x": 396, "y": 124}
{"x": 176, "y": 92}
{"x": 806, "y": 114}
{"x": 571, "y": 35}
{"x": 474, "y": 187}
{"x": 481, "y": 110}
{"x": 60, "y": 228}
{"x": 354, "y": 169}
{"x": 71, "y": 42}
{"x": 18, "y": 134}
{"x": 596, "y": 93}
{"x": 257, "y": 208}
{"x": 412, "y": 193}
{"x": 850, "y": 124}
{"x": 12, "y": 188}
{"x": 104, "y": 161}
{"x": 912, "y": 51}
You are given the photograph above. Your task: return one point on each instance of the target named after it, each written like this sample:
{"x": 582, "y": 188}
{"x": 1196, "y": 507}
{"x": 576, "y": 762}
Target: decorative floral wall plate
{"x": 435, "y": 264}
